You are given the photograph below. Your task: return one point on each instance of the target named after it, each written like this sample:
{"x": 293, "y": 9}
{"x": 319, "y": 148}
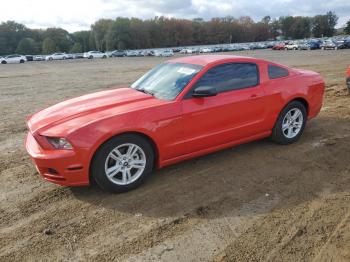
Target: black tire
{"x": 50, "y": 58}
{"x": 21, "y": 61}
{"x": 91, "y": 57}
{"x": 104, "y": 56}
{"x": 98, "y": 162}
{"x": 3, "y": 62}
{"x": 277, "y": 134}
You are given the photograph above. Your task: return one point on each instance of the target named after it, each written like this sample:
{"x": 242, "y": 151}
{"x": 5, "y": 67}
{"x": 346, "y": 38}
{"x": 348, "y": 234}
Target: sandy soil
{"x": 255, "y": 202}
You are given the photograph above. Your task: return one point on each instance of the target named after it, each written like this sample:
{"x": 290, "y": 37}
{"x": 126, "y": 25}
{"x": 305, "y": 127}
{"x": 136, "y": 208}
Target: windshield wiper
{"x": 145, "y": 91}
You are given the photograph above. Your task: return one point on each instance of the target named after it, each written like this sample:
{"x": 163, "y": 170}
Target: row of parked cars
{"x": 311, "y": 44}
{"x": 15, "y": 58}
{"x": 327, "y": 44}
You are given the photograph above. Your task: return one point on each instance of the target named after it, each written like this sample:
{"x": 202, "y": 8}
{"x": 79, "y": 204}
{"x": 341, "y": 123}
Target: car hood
{"x": 85, "y": 105}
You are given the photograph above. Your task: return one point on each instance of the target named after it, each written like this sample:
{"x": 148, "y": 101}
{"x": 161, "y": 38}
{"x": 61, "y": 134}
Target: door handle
{"x": 253, "y": 96}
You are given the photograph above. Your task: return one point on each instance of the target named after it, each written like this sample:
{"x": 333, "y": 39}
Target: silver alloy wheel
{"x": 125, "y": 164}
{"x": 292, "y": 123}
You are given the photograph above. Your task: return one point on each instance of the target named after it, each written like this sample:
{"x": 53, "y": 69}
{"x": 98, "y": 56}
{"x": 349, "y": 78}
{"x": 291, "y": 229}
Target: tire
{"x": 322, "y": 48}
{"x": 126, "y": 177}
{"x": 50, "y": 58}
{"x": 91, "y": 57}
{"x": 21, "y": 61}
{"x": 3, "y": 62}
{"x": 64, "y": 58}
{"x": 281, "y": 134}
{"x": 104, "y": 56}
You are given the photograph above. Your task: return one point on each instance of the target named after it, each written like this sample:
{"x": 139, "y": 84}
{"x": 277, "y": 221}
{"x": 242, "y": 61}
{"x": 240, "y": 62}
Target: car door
{"x": 235, "y": 113}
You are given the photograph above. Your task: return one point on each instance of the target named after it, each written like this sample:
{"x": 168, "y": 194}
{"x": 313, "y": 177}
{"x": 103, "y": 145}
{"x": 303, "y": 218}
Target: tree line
{"x": 134, "y": 33}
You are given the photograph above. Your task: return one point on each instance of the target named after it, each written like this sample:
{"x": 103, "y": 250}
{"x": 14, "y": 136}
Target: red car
{"x": 348, "y": 79}
{"x": 280, "y": 46}
{"x": 183, "y": 108}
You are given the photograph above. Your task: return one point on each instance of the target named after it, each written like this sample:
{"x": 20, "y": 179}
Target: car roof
{"x": 204, "y": 60}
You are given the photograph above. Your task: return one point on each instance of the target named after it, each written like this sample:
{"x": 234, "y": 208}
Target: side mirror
{"x": 204, "y": 91}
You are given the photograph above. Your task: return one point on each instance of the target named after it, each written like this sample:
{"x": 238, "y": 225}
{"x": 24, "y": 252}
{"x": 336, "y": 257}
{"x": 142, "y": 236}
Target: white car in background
{"x": 186, "y": 51}
{"x": 56, "y": 56}
{"x": 205, "y": 50}
{"x": 291, "y": 46}
{"x": 95, "y": 54}
{"x": 13, "y": 59}
{"x": 165, "y": 53}
{"x": 38, "y": 58}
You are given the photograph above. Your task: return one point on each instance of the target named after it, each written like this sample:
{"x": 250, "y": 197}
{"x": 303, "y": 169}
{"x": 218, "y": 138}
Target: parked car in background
{"x": 29, "y": 57}
{"x": 95, "y": 54}
{"x": 205, "y": 50}
{"x": 38, "y": 58}
{"x": 183, "y": 108}
{"x": 291, "y": 46}
{"x": 118, "y": 53}
{"x": 330, "y": 44}
{"x": 56, "y": 56}
{"x": 78, "y": 55}
{"x": 278, "y": 46}
{"x": 70, "y": 56}
{"x": 14, "y": 59}
{"x": 132, "y": 53}
{"x": 186, "y": 51}
{"x": 165, "y": 53}
{"x": 308, "y": 45}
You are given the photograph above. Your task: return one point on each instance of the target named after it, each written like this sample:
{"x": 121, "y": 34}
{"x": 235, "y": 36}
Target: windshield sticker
{"x": 186, "y": 71}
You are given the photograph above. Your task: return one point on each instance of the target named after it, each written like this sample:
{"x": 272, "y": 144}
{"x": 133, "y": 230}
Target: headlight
{"x": 59, "y": 143}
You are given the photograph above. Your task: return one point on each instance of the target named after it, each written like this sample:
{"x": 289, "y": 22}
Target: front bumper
{"x": 63, "y": 167}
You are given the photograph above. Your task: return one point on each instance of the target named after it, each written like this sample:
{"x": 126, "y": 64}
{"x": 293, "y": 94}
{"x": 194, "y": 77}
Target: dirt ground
{"x": 255, "y": 202}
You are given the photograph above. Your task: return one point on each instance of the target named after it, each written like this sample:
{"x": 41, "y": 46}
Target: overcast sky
{"x": 74, "y": 15}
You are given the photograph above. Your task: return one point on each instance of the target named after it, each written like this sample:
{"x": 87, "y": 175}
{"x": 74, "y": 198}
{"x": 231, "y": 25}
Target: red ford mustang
{"x": 183, "y": 108}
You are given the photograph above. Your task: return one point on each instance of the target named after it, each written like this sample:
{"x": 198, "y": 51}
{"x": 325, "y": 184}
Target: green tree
{"x": 49, "y": 46}
{"x": 99, "y": 32}
{"x": 77, "y": 48}
{"x": 324, "y": 25}
{"x": 61, "y": 37}
{"x": 11, "y": 34}
{"x": 118, "y": 35}
{"x": 83, "y": 38}
{"x": 347, "y": 27}
{"x": 27, "y": 46}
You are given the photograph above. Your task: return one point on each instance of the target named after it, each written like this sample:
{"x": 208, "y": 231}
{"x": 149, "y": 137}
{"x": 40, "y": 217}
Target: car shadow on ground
{"x": 229, "y": 179}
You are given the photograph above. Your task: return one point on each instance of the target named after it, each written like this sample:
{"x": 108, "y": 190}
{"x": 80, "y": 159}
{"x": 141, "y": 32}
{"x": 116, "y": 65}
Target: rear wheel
{"x": 21, "y": 61}
{"x": 123, "y": 163}
{"x": 91, "y": 57}
{"x": 3, "y": 62}
{"x": 290, "y": 124}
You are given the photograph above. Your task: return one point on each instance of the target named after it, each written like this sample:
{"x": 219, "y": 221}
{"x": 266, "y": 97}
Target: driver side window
{"x": 230, "y": 76}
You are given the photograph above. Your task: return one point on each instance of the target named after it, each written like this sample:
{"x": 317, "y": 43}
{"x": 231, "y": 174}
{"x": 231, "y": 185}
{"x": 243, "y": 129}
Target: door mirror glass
{"x": 204, "y": 91}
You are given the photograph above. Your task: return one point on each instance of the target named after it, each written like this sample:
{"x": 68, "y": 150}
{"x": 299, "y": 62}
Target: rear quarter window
{"x": 277, "y": 72}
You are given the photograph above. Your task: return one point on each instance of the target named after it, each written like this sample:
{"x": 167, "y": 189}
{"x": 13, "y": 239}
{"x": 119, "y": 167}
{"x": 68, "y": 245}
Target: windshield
{"x": 167, "y": 80}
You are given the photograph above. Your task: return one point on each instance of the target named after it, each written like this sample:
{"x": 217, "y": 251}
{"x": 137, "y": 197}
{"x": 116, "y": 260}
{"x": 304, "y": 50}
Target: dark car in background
{"x": 29, "y": 57}
{"x": 309, "y": 45}
{"x": 332, "y": 44}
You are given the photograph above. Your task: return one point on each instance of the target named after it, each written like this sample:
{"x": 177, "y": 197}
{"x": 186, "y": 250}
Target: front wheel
{"x": 290, "y": 124}
{"x": 122, "y": 163}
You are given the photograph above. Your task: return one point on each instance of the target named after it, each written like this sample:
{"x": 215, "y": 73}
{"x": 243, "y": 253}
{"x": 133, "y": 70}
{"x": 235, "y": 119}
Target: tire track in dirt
{"x": 298, "y": 233}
